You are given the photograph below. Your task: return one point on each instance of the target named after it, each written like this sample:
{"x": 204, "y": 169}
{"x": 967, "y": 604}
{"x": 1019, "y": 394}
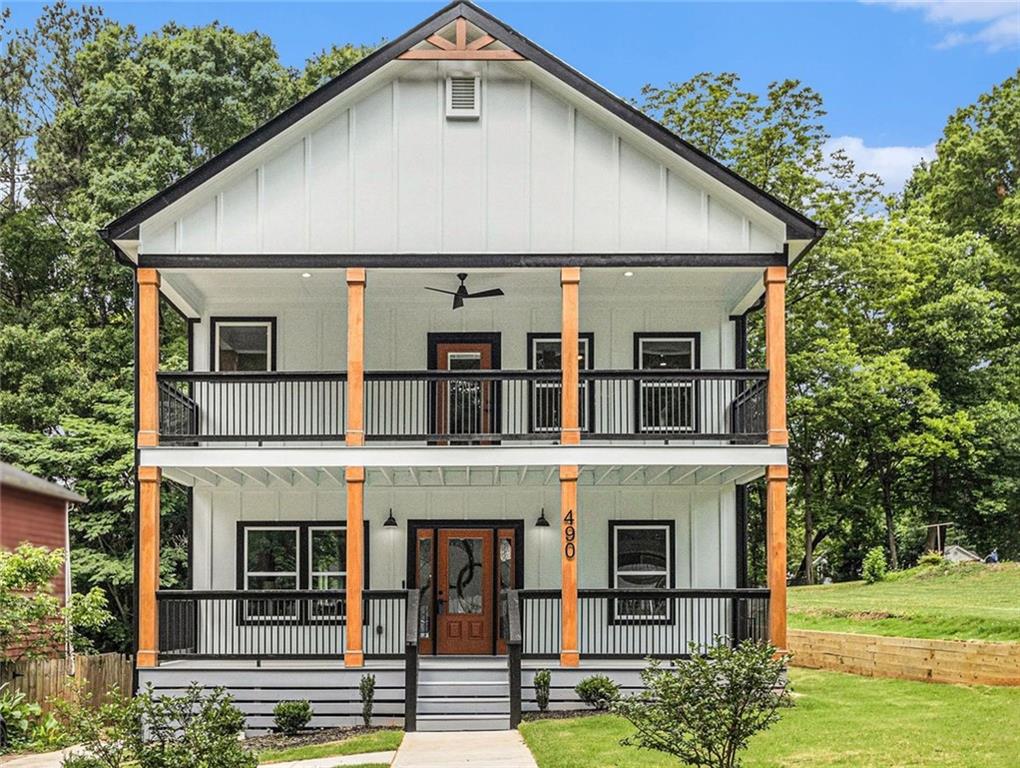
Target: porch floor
{"x": 329, "y": 664}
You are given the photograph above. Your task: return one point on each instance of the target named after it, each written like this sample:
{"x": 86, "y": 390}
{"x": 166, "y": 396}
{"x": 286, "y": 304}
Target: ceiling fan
{"x": 462, "y": 292}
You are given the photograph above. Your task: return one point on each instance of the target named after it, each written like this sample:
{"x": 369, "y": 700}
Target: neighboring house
{"x": 954, "y": 553}
{"x": 34, "y": 511}
{"x": 544, "y": 459}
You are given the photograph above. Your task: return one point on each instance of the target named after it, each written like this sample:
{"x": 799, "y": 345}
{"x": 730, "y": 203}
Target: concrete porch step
{"x": 456, "y": 705}
{"x": 463, "y": 689}
{"x": 463, "y": 722}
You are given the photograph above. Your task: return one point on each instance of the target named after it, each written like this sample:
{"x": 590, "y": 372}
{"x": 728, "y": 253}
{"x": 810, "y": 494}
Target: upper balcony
{"x": 660, "y": 358}
{"x": 463, "y": 407}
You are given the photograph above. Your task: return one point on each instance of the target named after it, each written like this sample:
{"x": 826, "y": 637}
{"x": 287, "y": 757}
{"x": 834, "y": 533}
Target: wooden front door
{"x": 464, "y": 591}
{"x": 464, "y": 407}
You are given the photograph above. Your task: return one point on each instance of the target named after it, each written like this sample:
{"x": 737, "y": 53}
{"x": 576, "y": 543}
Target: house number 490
{"x": 569, "y": 534}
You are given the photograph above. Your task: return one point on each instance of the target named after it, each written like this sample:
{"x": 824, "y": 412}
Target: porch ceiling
{"x": 441, "y": 476}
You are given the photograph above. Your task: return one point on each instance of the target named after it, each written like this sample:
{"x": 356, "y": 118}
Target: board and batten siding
{"x": 704, "y": 519}
{"x": 383, "y": 170}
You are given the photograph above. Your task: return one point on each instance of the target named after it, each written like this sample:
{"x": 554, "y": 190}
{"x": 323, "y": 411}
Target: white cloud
{"x": 995, "y": 24}
{"x": 892, "y": 164}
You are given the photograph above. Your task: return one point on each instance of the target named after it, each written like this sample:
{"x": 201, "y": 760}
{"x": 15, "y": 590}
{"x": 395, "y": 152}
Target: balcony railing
{"x": 464, "y": 407}
{"x": 276, "y": 624}
{"x": 631, "y": 623}
{"x": 255, "y": 407}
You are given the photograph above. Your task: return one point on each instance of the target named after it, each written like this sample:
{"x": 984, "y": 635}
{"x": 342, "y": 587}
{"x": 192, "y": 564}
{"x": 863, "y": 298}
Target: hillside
{"x": 962, "y": 602}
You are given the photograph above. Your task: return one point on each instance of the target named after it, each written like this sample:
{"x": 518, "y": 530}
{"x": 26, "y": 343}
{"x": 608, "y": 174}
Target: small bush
{"x": 931, "y": 559}
{"x": 291, "y": 716}
{"x": 597, "y": 691}
{"x": 704, "y": 711}
{"x": 149, "y": 731}
{"x": 24, "y": 726}
{"x": 367, "y": 689}
{"x": 874, "y": 568}
{"x": 543, "y": 678}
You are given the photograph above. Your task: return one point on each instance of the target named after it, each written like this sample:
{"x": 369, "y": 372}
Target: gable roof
{"x": 18, "y": 478}
{"x": 798, "y": 226}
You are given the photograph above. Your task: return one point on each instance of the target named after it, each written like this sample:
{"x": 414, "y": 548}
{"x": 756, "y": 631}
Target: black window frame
{"x": 303, "y": 528}
{"x": 695, "y": 429}
{"x": 228, "y": 320}
{"x": 589, "y": 387}
{"x": 614, "y": 618}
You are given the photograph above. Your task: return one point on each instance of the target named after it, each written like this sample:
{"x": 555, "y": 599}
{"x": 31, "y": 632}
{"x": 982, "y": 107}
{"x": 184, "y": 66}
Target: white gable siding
{"x": 389, "y": 173}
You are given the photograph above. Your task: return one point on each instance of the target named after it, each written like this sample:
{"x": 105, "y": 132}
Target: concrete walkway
{"x": 369, "y": 758}
{"x": 41, "y": 760}
{"x": 464, "y": 749}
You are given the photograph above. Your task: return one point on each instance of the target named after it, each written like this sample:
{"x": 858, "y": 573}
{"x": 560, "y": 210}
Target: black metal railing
{"x": 514, "y": 642}
{"x": 658, "y": 623}
{"x": 411, "y": 662}
{"x": 462, "y": 406}
{"x": 255, "y": 407}
{"x": 675, "y": 405}
{"x": 275, "y": 624}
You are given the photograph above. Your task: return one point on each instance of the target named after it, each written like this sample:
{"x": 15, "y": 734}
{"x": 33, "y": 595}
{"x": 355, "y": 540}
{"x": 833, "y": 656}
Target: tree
{"x": 703, "y": 711}
{"x": 32, "y": 620}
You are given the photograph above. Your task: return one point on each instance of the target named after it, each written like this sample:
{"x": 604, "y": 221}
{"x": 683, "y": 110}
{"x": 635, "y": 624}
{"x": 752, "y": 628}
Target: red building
{"x": 34, "y": 510}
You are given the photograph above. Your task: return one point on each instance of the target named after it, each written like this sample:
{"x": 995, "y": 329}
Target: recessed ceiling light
{"x": 306, "y": 274}
{"x": 628, "y": 273}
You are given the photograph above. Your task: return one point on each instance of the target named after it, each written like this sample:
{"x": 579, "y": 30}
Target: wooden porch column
{"x": 775, "y": 353}
{"x": 148, "y": 356}
{"x": 775, "y": 524}
{"x": 570, "y": 431}
{"x": 355, "y": 357}
{"x": 569, "y": 656}
{"x": 353, "y": 653}
{"x": 148, "y": 566}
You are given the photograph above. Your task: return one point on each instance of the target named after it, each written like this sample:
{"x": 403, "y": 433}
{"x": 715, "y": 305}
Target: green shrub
{"x": 703, "y": 711}
{"x": 874, "y": 568}
{"x": 931, "y": 559}
{"x": 543, "y": 678}
{"x": 367, "y": 690}
{"x": 597, "y": 691}
{"x": 25, "y": 725}
{"x": 193, "y": 730}
{"x": 291, "y": 716}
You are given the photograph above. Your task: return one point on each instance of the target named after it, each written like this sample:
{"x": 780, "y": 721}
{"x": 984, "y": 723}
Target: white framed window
{"x": 271, "y": 563}
{"x": 666, "y": 406}
{"x": 545, "y": 353}
{"x": 243, "y": 344}
{"x": 641, "y": 557}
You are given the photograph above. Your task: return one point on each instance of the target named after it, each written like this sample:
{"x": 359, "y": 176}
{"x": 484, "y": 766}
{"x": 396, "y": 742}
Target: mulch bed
{"x": 559, "y": 714}
{"x": 312, "y": 736}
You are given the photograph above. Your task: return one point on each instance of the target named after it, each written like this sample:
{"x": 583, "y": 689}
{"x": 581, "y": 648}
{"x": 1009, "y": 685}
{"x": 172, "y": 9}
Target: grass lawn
{"x": 963, "y": 602}
{"x": 839, "y": 720}
{"x": 377, "y": 741}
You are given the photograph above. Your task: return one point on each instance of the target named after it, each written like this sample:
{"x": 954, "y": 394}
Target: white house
{"x": 468, "y": 392}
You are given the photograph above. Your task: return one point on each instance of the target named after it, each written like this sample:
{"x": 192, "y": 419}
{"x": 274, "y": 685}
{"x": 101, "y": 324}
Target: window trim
{"x": 214, "y": 347}
{"x": 589, "y": 339}
{"x": 695, "y": 338}
{"x": 671, "y": 565}
{"x": 304, "y": 542}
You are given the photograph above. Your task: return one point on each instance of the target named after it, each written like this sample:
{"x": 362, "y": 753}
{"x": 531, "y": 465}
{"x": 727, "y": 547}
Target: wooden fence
{"x": 939, "y": 661}
{"x": 89, "y": 677}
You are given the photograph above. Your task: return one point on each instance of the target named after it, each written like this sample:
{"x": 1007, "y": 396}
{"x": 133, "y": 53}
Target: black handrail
{"x": 514, "y": 641}
{"x": 639, "y": 623}
{"x": 411, "y": 662}
{"x": 275, "y": 624}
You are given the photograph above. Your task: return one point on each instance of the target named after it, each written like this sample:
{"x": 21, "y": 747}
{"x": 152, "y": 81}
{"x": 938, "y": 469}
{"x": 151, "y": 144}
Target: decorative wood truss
{"x": 459, "y": 49}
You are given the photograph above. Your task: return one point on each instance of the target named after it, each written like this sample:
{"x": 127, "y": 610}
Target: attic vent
{"x": 463, "y": 97}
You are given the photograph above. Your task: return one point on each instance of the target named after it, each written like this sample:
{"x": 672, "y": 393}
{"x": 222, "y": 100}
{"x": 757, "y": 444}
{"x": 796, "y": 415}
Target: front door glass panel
{"x": 464, "y": 575}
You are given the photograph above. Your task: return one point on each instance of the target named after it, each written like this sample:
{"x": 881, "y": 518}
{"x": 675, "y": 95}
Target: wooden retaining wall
{"x": 939, "y": 661}
{"x": 92, "y": 677}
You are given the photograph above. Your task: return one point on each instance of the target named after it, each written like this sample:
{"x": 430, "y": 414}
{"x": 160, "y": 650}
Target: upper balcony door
{"x": 467, "y": 406}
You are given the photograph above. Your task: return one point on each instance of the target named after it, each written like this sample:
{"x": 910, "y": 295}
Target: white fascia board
{"x": 455, "y": 456}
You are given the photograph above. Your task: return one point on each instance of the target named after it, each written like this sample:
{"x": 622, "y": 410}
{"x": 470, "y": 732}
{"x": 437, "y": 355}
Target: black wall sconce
{"x": 542, "y": 522}
{"x": 391, "y": 522}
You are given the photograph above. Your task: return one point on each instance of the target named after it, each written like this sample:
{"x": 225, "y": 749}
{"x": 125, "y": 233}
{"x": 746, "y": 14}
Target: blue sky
{"x": 890, "y": 72}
